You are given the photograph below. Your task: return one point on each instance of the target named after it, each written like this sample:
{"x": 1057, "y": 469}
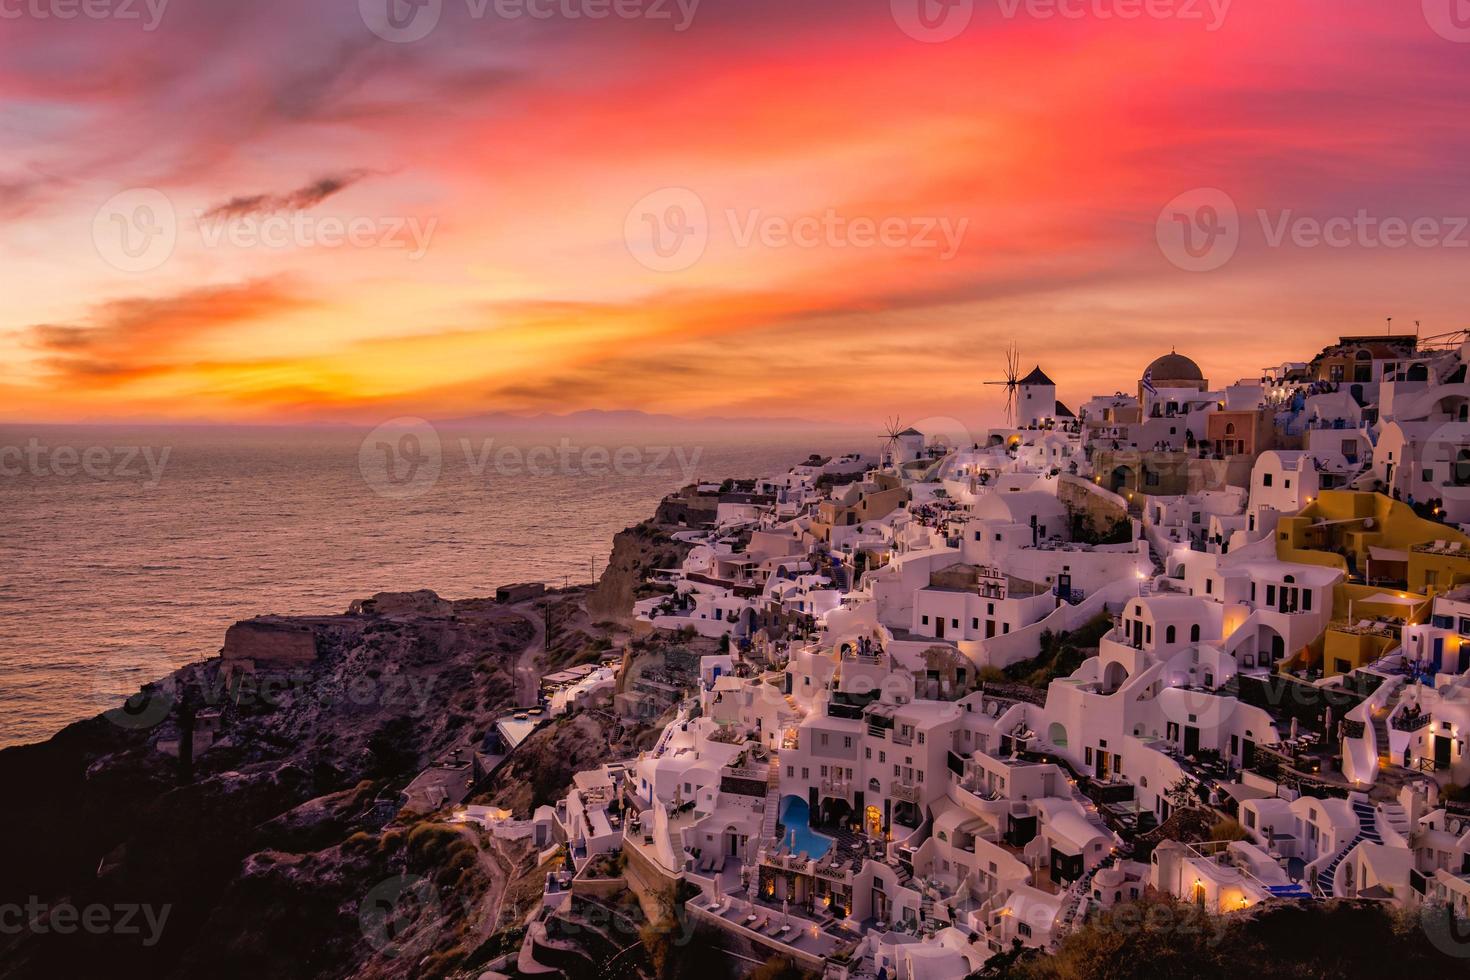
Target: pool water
{"x": 796, "y": 819}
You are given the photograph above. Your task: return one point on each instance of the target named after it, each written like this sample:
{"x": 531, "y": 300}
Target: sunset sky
{"x": 500, "y": 171}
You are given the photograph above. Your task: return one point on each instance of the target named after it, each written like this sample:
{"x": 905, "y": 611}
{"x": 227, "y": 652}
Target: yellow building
{"x": 1394, "y": 560}
{"x": 1375, "y": 540}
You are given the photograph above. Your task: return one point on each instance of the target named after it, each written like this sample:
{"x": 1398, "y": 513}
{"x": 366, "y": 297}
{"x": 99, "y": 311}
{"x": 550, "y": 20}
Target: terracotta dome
{"x": 1175, "y": 367}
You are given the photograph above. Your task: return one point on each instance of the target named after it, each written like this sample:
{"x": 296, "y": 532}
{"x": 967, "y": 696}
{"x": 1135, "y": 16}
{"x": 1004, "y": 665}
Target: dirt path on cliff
{"x": 528, "y": 666}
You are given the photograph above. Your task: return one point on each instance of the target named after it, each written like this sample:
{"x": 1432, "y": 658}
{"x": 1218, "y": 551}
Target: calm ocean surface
{"x": 126, "y": 552}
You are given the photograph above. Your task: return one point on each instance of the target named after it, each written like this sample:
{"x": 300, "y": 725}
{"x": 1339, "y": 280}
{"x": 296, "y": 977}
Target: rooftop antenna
{"x": 1012, "y": 379}
{"x": 1390, "y": 326}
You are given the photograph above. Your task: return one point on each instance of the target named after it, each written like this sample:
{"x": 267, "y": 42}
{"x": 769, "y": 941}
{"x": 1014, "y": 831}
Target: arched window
{"x": 1194, "y": 633}
{"x": 1230, "y": 428}
{"x": 1461, "y": 473}
{"x": 1170, "y": 635}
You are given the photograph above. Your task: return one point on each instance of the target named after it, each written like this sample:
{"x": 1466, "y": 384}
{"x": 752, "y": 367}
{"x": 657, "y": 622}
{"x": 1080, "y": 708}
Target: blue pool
{"x": 796, "y": 819}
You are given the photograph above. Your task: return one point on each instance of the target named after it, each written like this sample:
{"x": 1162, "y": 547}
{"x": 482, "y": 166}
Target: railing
{"x": 837, "y": 787}
{"x": 908, "y": 792}
{"x": 746, "y": 772}
{"x": 1405, "y": 723}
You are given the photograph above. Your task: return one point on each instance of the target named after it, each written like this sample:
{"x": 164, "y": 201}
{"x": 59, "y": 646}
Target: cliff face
{"x": 99, "y": 816}
{"x": 636, "y": 551}
{"x": 269, "y": 640}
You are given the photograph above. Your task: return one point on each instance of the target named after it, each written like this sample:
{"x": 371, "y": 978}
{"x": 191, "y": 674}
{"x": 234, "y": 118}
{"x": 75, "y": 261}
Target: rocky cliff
{"x": 257, "y": 854}
{"x": 636, "y": 552}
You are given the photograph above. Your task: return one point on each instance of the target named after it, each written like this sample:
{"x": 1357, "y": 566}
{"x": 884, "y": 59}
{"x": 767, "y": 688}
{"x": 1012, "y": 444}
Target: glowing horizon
{"x": 853, "y": 215}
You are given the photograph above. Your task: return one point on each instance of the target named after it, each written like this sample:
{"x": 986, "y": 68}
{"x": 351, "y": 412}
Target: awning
{"x": 1387, "y": 554}
{"x": 1394, "y": 598}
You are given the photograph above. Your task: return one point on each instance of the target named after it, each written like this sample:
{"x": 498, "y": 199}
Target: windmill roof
{"x": 911, "y": 431}
{"x": 1037, "y": 377}
{"x": 1063, "y": 412}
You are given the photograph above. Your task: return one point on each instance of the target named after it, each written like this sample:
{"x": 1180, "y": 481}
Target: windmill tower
{"x": 892, "y": 428}
{"x": 903, "y": 444}
{"x": 1012, "y": 381}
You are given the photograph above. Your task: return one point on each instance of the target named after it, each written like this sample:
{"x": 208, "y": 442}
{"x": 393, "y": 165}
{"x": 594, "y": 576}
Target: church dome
{"x": 1174, "y": 367}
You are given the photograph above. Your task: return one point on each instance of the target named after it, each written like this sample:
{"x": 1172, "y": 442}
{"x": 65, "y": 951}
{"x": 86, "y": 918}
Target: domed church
{"x": 1173, "y": 370}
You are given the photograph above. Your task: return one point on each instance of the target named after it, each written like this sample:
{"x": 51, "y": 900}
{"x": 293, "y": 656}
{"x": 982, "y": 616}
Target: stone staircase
{"x": 773, "y": 801}
{"x": 1380, "y": 736}
{"x": 1367, "y": 830}
{"x": 1396, "y": 817}
{"x": 1079, "y": 898}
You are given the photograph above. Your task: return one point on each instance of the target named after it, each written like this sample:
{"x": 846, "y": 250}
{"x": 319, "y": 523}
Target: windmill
{"x": 892, "y": 428}
{"x": 1012, "y": 380}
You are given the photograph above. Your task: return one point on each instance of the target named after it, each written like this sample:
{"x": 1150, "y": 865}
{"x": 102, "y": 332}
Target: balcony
{"x": 840, "y": 788}
{"x": 907, "y": 792}
{"x": 1404, "y": 722}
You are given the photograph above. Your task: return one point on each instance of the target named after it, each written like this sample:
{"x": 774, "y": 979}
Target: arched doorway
{"x": 1123, "y": 478}
{"x": 873, "y": 821}
{"x": 1113, "y": 677}
{"x": 1057, "y": 735}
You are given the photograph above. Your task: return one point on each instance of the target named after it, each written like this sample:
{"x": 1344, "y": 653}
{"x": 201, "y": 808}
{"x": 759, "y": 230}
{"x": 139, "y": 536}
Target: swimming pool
{"x": 796, "y": 818}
